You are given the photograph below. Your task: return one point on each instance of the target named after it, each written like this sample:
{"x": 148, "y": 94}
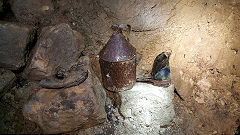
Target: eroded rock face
{"x": 31, "y": 10}
{"x": 14, "y": 40}
{"x": 211, "y": 49}
{"x": 7, "y": 79}
{"x": 142, "y": 15}
{"x": 63, "y": 110}
{"x": 58, "y": 47}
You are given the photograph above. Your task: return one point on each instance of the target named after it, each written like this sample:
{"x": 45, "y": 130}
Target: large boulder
{"x": 31, "y": 10}
{"x": 63, "y": 110}
{"x": 7, "y": 79}
{"x": 58, "y": 47}
{"x": 146, "y": 108}
{"x": 14, "y": 42}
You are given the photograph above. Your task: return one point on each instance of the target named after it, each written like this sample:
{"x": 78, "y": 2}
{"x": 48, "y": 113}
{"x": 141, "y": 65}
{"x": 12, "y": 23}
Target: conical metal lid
{"x": 117, "y": 49}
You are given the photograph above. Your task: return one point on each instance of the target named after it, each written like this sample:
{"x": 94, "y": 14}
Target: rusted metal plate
{"x": 162, "y": 83}
{"x": 117, "y": 49}
{"x": 118, "y": 76}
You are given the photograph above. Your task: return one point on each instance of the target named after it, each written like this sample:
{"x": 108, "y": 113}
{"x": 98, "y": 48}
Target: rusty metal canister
{"x": 118, "y": 64}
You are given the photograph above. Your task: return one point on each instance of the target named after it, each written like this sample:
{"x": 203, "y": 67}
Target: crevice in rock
{"x": 7, "y": 14}
{"x": 237, "y": 132}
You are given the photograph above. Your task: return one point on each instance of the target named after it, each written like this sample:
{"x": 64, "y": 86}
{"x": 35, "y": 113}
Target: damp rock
{"x": 7, "y": 81}
{"x": 31, "y": 10}
{"x": 146, "y": 108}
{"x": 58, "y": 47}
{"x": 14, "y": 42}
{"x": 64, "y": 110}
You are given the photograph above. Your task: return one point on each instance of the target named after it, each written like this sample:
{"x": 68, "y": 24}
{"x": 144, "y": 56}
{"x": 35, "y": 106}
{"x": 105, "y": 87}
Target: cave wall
{"x": 203, "y": 39}
{"x": 202, "y": 36}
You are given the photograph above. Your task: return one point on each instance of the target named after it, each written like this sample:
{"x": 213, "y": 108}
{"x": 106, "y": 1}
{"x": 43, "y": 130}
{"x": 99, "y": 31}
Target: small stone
{"x": 45, "y": 8}
{"x": 222, "y": 102}
{"x": 14, "y": 40}
{"x": 109, "y": 117}
{"x": 7, "y": 79}
{"x": 128, "y": 113}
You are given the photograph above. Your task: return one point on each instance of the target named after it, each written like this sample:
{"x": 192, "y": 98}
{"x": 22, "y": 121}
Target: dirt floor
{"x": 189, "y": 119}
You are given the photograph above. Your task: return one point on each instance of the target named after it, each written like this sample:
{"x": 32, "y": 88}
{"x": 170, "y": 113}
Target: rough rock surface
{"x": 64, "y": 79}
{"x": 58, "y": 47}
{"x": 203, "y": 39}
{"x": 142, "y": 15}
{"x": 14, "y": 42}
{"x": 31, "y": 10}
{"x": 12, "y": 120}
{"x": 7, "y": 79}
{"x": 193, "y": 55}
{"x": 63, "y": 110}
{"x": 146, "y": 108}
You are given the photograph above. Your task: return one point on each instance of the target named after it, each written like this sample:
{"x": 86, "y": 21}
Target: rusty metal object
{"x": 163, "y": 83}
{"x": 76, "y": 75}
{"x": 118, "y": 63}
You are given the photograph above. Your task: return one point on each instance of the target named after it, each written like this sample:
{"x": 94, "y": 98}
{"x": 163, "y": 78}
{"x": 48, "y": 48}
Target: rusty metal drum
{"x": 118, "y": 64}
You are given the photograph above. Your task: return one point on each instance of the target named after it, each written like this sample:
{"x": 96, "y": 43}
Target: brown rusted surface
{"x": 117, "y": 49}
{"x": 118, "y": 76}
{"x": 163, "y": 83}
{"x": 118, "y": 63}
